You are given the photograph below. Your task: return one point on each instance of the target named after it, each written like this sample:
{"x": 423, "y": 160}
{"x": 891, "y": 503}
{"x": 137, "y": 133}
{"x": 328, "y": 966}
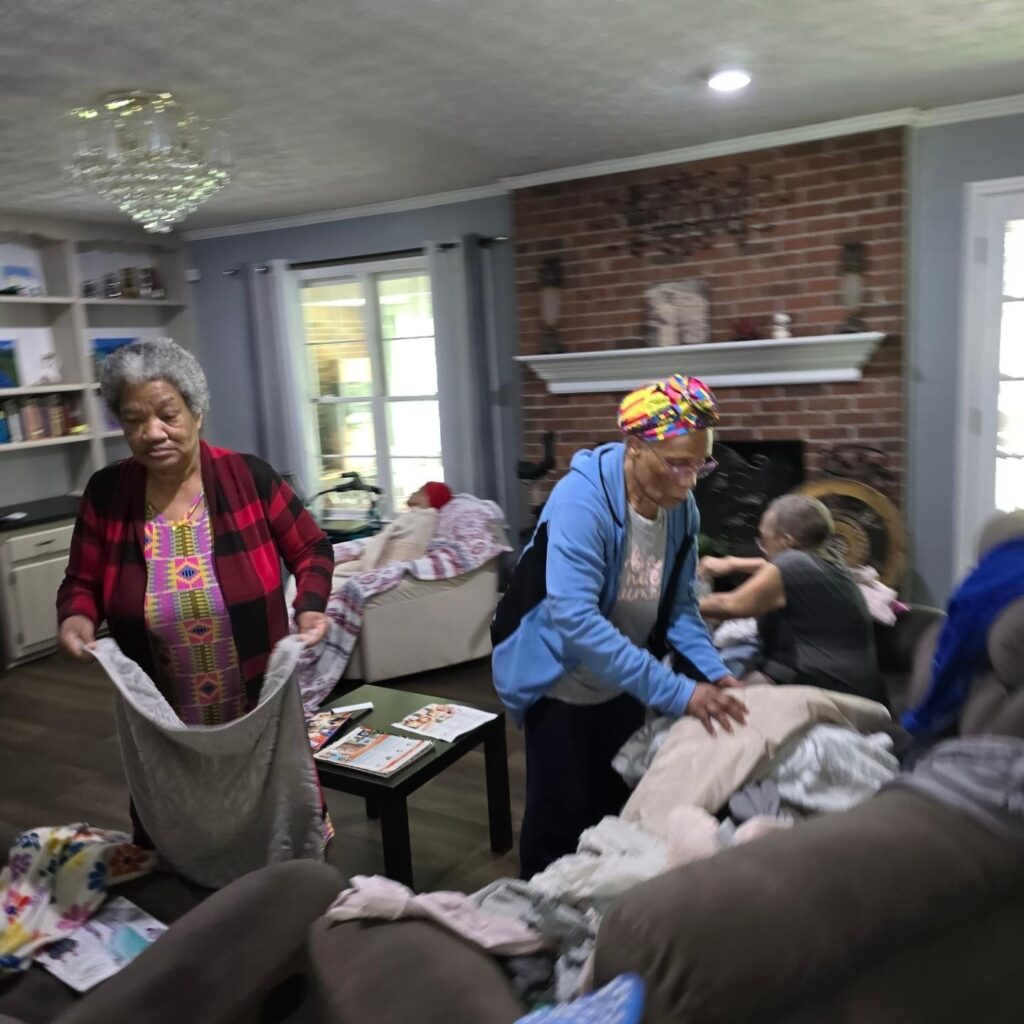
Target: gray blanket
{"x": 219, "y": 801}
{"x": 983, "y": 776}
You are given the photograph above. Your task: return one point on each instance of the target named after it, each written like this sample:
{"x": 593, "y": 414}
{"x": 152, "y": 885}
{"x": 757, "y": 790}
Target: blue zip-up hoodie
{"x": 554, "y": 616}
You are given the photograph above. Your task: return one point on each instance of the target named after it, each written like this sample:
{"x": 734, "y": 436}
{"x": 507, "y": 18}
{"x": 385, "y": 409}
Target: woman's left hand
{"x": 312, "y": 627}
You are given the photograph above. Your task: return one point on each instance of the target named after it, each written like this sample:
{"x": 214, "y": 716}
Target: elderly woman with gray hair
{"x": 814, "y": 626}
{"x": 179, "y": 547}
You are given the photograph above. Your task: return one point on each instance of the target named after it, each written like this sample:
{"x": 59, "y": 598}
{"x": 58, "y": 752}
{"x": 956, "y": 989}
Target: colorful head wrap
{"x": 668, "y": 408}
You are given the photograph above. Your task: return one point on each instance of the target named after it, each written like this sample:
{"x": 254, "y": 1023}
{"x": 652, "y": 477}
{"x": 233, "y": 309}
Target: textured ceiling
{"x": 338, "y": 103}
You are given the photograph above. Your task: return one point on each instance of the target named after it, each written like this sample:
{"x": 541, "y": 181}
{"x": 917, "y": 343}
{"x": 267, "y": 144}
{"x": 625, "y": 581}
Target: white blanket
{"x": 612, "y": 857}
{"x": 219, "y": 801}
{"x": 831, "y": 768}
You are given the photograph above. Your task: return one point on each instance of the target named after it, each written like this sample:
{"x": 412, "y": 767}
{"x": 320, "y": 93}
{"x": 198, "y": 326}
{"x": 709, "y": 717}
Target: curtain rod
{"x": 396, "y": 254}
{"x": 370, "y": 257}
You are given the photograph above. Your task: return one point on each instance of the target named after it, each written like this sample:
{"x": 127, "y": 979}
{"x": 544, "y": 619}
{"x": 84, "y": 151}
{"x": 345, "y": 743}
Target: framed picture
{"x": 105, "y": 340}
{"x": 677, "y": 313}
{"x": 38, "y": 363}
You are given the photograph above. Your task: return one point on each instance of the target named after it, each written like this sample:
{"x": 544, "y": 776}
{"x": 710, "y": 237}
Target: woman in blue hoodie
{"x": 600, "y": 620}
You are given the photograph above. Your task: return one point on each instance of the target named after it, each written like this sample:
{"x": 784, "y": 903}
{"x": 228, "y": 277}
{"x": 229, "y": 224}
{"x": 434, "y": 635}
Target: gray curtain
{"x": 272, "y": 312}
{"x": 478, "y": 380}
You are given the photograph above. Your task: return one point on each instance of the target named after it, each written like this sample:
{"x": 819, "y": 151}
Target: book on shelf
{"x": 13, "y": 416}
{"x": 35, "y": 418}
{"x": 378, "y": 753}
{"x": 445, "y": 722}
{"x": 9, "y": 376}
{"x": 32, "y": 424}
{"x": 110, "y": 940}
{"x": 325, "y": 725}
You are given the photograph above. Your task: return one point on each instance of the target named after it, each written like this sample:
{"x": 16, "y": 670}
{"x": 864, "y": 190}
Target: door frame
{"x": 988, "y": 205}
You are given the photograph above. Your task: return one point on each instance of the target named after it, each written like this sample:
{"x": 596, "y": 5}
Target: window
{"x": 1010, "y": 436}
{"x": 990, "y": 412}
{"x": 372, "y": 373}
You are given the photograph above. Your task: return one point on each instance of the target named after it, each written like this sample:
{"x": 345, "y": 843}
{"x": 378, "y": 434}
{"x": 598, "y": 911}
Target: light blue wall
{"x": 219, "y": 300}
{"x": 942, "y": 160}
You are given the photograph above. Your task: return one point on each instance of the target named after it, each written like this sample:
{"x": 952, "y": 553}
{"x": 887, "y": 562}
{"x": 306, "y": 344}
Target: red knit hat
{"x": 437, "y": 494}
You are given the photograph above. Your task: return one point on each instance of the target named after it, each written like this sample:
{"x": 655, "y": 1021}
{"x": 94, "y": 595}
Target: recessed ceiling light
{"x": 729, "y": 81}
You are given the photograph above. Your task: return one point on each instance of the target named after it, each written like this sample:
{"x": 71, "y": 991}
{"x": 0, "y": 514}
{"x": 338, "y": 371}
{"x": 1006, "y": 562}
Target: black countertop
{"x": 47, "y": 510}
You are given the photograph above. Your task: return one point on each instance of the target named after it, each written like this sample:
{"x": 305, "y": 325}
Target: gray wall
{"x": 219, "y": 300}
{"x": 942, "y": 160}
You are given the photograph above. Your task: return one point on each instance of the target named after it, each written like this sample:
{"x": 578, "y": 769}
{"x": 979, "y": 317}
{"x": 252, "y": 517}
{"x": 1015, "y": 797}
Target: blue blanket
{"x": 997, "y": 582}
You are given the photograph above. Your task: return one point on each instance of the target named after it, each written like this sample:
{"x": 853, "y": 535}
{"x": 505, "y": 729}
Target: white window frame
{"x": 379, "y": 400}
{"x": 988, "y": 206}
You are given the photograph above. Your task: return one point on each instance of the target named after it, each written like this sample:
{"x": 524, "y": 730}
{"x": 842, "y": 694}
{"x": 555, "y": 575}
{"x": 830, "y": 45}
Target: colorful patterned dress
{"x": 188, "y": 622}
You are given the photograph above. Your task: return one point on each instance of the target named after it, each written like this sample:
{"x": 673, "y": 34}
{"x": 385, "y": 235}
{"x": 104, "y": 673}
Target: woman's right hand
{"x": 76, "y": 637}
{"x": 710, "y": 567}
{"x": 710, "y": 705}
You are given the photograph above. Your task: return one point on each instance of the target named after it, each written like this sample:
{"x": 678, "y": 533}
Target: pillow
{"x": 404, "y": 540}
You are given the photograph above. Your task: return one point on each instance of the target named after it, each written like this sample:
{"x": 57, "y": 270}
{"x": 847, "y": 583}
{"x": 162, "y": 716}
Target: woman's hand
{"x": 76, "y": 637}
{"x": 710, "y": 567}
{"x": 710, "y": 704}
{"x": 312, "y": 627}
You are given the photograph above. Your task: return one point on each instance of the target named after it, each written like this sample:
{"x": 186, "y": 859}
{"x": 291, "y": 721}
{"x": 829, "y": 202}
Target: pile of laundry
{"x": 803, "y": 751}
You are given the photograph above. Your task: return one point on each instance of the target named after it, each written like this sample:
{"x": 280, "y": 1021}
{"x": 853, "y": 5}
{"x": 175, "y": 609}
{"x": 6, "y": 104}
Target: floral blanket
{"x": 463, "y": 541}
{"x": 55, "y": 880}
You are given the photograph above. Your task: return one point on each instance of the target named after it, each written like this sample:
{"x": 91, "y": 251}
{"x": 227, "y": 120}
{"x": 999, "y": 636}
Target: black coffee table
{"x": 387, "y": 797}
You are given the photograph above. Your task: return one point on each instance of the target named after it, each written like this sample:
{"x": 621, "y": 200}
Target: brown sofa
{"x": 231, "y": 957}
{"x": 901, "y": 910}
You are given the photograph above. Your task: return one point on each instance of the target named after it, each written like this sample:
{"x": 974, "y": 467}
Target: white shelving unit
{"x": 65, "y": 254}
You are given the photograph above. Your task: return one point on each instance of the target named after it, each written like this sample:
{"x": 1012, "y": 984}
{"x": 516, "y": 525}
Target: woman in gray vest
{"x": 814, "y": 625}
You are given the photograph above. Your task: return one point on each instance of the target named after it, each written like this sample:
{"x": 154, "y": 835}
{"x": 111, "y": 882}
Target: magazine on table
{"x": 378, "y": 753}
{"x": 445, "y": 722}
{"x": 111, "y": 939}
{"x": 325, "y": 725}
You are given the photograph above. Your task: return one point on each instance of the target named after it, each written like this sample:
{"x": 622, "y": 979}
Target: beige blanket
{"x": 697, "y": 770}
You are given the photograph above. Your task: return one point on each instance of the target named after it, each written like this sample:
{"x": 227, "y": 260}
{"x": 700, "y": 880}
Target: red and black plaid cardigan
{"x": 257, "y": 521}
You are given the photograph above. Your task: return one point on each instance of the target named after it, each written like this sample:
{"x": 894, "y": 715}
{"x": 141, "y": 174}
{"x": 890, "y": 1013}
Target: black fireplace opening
{"x": 749, "y": 475}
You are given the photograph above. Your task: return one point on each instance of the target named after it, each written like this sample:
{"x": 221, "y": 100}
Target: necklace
{"x": 186, "y": 519}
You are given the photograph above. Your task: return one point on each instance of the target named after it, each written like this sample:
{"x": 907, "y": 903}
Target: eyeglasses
{"x": 701, "y": 470}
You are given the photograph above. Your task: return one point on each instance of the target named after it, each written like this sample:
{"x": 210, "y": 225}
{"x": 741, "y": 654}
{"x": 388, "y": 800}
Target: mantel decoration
{"x": 686, "y": 213}
{"x": 551, "y": 278}
{"x": 677, "y": 314}
{"x": 154, "y": 160}
{"x": 853, "y": 264}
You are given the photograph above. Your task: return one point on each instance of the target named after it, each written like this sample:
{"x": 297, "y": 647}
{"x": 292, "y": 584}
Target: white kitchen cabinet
{"x": 32, "y": 563}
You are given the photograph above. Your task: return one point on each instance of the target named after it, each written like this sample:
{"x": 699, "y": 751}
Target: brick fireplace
{"x": 823, "y": 194}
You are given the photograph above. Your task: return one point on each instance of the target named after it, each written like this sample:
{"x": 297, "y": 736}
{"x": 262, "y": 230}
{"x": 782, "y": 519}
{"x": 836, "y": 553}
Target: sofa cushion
{"x": 426, "y": 975}
{"x": 752, "y": 933}
{"x": 968, "y": 974}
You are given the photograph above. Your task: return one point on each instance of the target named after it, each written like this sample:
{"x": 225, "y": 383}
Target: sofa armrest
{"x": 219, "y": 962}
{"x": 749, "y": 935}
{"x": 396, "y": 972}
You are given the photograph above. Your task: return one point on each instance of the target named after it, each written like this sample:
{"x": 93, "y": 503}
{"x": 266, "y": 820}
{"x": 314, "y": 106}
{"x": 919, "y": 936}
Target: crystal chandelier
{"x": 149, "y": 156}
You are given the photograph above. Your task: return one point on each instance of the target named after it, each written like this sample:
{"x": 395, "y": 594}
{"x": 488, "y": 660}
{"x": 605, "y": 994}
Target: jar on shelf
{"x": 156, "y": 284}
{"x": 111, "y": 286}
{"x": 129, "y": 283}
{"x": 90, "y": 289}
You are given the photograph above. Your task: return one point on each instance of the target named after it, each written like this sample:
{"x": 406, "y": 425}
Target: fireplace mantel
{"x": 824, "y": 358}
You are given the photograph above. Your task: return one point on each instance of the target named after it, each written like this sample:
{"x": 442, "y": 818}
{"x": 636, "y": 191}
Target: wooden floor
{"x": 59, "y": 763}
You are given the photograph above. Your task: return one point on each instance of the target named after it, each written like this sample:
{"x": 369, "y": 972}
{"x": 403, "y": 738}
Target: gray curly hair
{"x": 143, "y": 361}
